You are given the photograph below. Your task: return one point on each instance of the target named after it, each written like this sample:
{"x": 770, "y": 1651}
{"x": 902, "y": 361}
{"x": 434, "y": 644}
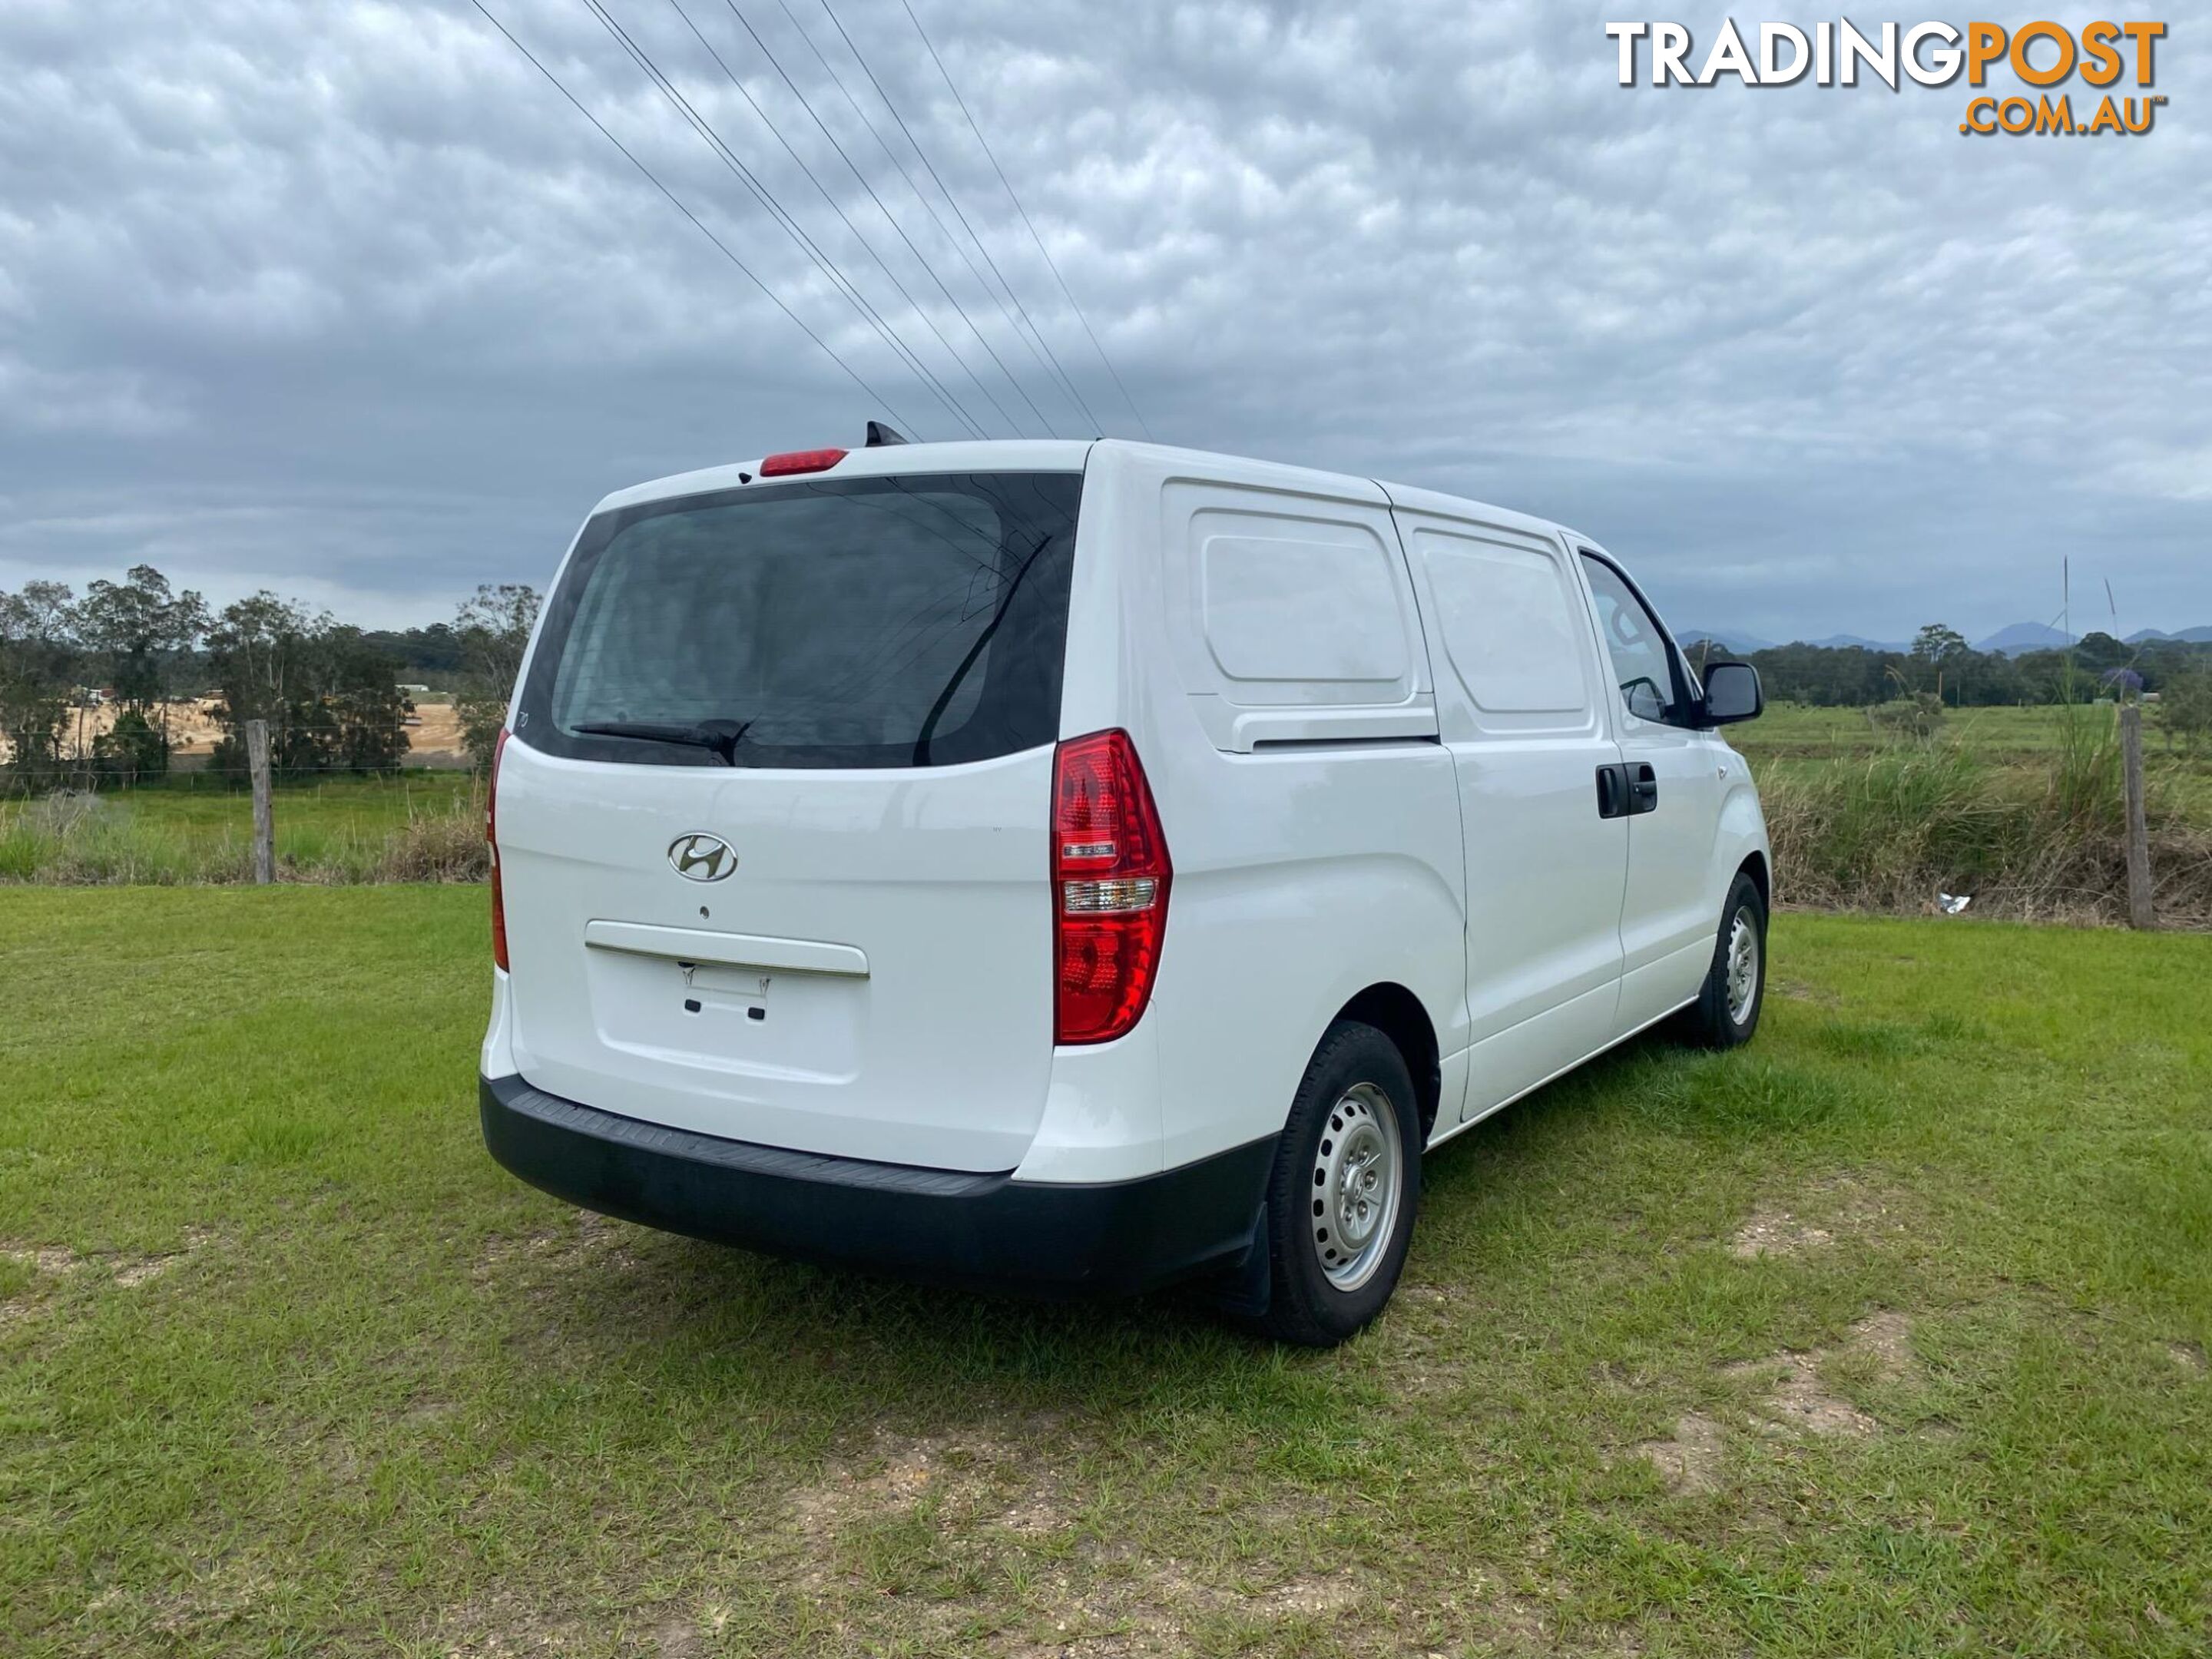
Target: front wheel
{"x": 1726, "y": 1013}
{"x": 1346, "y": 1185}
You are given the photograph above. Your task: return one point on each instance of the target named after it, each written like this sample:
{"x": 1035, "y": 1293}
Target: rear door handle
{"x": 1643, "y": 789}
{"x": 1613, "y": 792}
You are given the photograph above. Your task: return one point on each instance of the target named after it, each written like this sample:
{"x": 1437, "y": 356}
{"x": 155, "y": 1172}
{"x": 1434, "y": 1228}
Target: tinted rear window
{"x": 918, "y": 621}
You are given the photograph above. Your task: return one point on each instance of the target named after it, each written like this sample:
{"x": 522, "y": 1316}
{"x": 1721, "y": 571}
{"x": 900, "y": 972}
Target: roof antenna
{"x": 879, "y": 435}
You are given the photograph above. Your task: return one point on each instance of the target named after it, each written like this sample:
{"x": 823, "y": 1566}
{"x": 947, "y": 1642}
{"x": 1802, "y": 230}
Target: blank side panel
{"x": 1292, "y": 618}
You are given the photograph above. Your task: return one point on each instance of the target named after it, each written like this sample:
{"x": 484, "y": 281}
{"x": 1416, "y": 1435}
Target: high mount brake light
{"x": 491, "y": 838}
{"x": 800, "y": 460}
{"x": 1110, "y": 874}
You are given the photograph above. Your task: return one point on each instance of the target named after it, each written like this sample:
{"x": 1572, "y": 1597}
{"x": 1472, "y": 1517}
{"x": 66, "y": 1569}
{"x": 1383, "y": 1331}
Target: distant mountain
{"x": 1842, "y": 641}
{"x": 1738, "y": 639}
{"x": 2025, "y": 636}
{"x": 2011, "y": 641}
{"x": 1735, "y": 639}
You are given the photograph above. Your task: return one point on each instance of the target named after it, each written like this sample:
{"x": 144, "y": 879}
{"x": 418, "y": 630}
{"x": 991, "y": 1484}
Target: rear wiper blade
{"x": 720, "y": 736}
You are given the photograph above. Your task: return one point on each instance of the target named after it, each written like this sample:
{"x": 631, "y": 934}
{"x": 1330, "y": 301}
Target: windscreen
{"x": 915, "y": 621}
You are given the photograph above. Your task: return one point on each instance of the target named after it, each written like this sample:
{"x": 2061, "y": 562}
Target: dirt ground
{"x": 434, "y": 730}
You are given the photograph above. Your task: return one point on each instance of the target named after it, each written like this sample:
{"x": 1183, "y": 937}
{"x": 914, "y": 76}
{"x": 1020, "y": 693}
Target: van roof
{"x": 1062, "y": 455}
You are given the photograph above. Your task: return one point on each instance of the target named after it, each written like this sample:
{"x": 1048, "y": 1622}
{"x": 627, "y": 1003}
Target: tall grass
{"x": 2042, "y": 842}
{"x": 89, "y": 840}
{"x": 2038, "y": 839}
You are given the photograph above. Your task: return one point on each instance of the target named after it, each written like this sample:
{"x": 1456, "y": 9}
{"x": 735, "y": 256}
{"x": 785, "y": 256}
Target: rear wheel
{"x": 1726, "y": 1013}
{"x": 1346, "y": 1185}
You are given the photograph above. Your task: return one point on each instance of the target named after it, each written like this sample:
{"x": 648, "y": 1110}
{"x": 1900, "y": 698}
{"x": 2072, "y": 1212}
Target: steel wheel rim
{"x": 1742, "y": 966}
{"x": 1358, "y": 1178}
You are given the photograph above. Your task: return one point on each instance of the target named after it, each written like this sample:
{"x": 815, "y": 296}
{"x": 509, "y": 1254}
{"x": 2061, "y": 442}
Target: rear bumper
{"x": 1110, "y": 1238}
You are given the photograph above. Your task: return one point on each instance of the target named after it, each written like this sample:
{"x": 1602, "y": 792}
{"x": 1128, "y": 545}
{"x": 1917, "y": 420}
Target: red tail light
{"x": 491, "y": 836}
{"x": 800, "y": 460}
{"x": 1110, "y": 878}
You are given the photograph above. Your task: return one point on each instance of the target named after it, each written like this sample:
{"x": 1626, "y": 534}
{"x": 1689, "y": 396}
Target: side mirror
{"x": 1732, "y": 694}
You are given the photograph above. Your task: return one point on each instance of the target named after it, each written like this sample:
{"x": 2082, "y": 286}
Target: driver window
{"x": 1642, "y": 667}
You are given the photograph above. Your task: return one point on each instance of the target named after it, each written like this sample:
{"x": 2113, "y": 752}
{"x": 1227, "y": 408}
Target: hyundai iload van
{"x": 1089, "y": 866}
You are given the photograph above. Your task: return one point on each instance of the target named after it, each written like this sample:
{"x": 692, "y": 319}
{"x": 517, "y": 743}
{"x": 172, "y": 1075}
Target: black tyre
{"x": 1346, "y": 1187}
{"x": 1726, "y": 1013}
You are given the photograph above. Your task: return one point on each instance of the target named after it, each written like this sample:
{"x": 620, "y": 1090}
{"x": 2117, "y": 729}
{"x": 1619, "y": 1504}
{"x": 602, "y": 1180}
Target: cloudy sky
{"x": 344, "y": 298}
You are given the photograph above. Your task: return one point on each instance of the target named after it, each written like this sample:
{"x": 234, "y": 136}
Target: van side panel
{"x": 1305, "y": 870}
{"x": 1518, "y": 699}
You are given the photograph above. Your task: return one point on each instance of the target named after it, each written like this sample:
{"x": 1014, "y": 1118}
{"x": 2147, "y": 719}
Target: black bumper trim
{"x": 1113, "y": 1237}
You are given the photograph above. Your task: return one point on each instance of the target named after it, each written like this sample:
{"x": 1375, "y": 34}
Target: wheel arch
{"x": 1755, "y": 866}
{"x": 1396, "y": 1012}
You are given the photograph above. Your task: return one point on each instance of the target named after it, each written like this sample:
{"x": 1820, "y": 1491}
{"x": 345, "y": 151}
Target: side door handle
{"x": 1613, "y": 792}
{"x": 1643, "y": 788}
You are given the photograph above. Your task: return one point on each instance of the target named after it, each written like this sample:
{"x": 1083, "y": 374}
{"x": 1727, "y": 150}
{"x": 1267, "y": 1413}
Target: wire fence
{"x": 203, "y": 779}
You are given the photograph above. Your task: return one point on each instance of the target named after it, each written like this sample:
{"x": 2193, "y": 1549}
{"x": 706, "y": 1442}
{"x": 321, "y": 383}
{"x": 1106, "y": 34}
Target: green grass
{"x": 2019, "y": 808}
{"x": 1800, "y": 730}
{"x": 191, "y": 829}
{"x": 1862, "y": 820}
{"x": 299, "y": 1370}
{"x": 1795, "y": 743}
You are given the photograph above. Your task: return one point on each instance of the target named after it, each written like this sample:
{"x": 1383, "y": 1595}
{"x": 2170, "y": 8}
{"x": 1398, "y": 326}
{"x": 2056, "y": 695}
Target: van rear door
{"x": 773, "y": 823}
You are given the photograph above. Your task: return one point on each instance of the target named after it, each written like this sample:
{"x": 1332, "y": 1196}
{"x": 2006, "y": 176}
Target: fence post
{"x": 2139, "y": 902}
{"x": 264, "y": 816}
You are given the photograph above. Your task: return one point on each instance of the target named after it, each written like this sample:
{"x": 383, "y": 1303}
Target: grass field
{"x": 1799, "y": 728}
{"x": 1886, "y": 1335}
{"x": 424, "y": 824}
{"x": 191, "y": 829}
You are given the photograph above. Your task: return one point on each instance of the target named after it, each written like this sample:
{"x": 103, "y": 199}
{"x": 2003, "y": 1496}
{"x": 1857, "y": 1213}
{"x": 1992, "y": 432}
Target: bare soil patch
{"x": 1817, "y": 1216}
{"x": 52, "y": 1266}
{"x": 1797, "y": 1401}
{"x": 1798, "y": 991}
{"x": 1792, "y": 1400}
{"x": 980, "y": 1475}
{"x": 1689, "y": 1459}
{"x": 193, "y": 729}
{"x": 1776, "y": 1232}
{"x": 590, "y": 1238}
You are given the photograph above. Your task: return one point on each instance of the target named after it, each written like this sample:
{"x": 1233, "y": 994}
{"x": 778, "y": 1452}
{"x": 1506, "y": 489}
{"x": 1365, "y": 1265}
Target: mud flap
{"x": 1247, "y": 1289}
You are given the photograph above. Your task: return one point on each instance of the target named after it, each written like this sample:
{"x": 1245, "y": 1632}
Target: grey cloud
{"x": 345, "y": 301}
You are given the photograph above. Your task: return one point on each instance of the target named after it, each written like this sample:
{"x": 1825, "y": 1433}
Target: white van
{"x": 1088, "y": 865}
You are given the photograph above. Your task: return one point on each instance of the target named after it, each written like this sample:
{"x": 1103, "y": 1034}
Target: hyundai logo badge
{"x": 702, "y": 858}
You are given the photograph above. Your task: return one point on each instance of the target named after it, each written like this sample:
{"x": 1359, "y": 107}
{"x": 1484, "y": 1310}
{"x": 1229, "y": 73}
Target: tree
{"x": 141, "y": 628}
{"x": 132, "y": 749}
{"x": 41, "y": 658}
{"x": 357, "y": 684}
{"x": 493, "y": 626}
{"x": 330, "y": 698}
{"x": 2184, "y": 707}
{"x": 1938, "y": 644}
{"x": 1938, "y": 652}
{"x": 139, "y": 631}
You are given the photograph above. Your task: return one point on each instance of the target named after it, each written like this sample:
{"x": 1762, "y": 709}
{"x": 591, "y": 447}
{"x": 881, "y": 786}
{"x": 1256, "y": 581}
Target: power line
{"x": 823, "y": 261}
{"x": 807, "y": 104}
{"x": 785, "y": 221}
{"x": 912, "y": 305}
{"x": 851, "y": 373}
{"x": 1047, "y": 359}
{"x": 1023, "y": 211}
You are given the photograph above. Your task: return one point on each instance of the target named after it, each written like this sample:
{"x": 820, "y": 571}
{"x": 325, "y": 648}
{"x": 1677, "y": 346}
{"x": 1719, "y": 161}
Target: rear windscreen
{"x": 915, "y": 621}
